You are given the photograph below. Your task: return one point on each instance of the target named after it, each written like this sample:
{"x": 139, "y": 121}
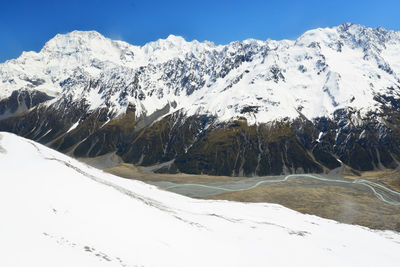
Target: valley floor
{"x": 369, "y": 199}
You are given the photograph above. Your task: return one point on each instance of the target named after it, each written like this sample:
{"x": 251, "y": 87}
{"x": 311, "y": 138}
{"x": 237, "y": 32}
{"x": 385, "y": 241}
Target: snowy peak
{"x": 352, "y": 34}
{"x": 87, "y": 46}
{"x": 361, "y": 34}
{"x": 75, "y": 41}
{"x": 171, "y": 42}
{"x": 173, "y": 46}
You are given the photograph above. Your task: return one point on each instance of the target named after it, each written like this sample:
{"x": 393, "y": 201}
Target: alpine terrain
{"x": 56, "y": 211}
{"x": 252, "y": 108}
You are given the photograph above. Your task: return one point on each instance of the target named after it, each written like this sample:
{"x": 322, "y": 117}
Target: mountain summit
{"x": 328, "y": 98}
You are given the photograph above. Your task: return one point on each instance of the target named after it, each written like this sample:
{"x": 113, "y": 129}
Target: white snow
{"x": 56, "y": 211}
{"x": 319, "y": 137}
{"x": 73, "y": 126}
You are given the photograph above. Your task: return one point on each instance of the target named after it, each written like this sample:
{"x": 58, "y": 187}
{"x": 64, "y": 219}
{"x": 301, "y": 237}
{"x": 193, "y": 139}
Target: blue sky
{"x": 27, "y": 25}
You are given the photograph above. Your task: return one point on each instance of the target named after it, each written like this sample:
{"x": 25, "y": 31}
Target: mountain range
{"x": 327, "y": 99}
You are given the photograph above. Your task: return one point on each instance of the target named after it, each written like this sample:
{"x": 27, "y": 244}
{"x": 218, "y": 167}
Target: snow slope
{"x": 56, "y": 211}
{"x": 320, "y": 72}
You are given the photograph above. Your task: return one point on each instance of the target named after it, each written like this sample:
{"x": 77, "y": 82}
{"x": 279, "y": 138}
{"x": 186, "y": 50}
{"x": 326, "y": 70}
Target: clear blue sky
{"x": 27, "y": 25}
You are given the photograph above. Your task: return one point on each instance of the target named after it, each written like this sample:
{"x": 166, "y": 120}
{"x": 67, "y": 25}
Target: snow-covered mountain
{"x": 56, "y": 211}
{"x": 339, "y": 79}
{"x": 320, "y": 72}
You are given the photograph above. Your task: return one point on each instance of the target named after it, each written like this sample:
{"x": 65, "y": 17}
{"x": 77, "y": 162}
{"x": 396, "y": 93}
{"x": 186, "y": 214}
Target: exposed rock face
{"x": 331, "y": 97}
{"x": 20, "y": 101}
{"x": 201, "y": 144}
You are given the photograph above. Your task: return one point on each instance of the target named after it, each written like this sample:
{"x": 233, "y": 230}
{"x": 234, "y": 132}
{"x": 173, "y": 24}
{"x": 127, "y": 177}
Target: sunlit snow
{"x": 56, "y": 211}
